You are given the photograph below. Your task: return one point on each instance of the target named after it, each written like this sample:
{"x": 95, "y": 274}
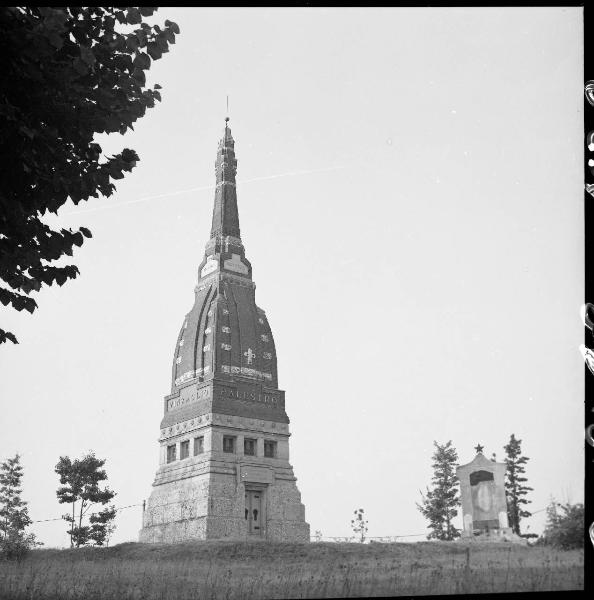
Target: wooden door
{"x": 253, "y": 512}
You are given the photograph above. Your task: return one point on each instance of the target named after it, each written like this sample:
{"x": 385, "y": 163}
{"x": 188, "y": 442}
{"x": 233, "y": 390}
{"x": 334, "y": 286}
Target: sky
{"x": 410, "y": 190}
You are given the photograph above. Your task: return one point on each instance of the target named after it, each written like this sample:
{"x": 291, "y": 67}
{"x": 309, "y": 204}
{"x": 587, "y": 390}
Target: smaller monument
{"x": 484, "y": 507}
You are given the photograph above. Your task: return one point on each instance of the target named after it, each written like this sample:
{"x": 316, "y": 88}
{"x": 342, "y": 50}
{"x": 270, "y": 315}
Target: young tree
{"x": 359, "y": 525}
{"x": 14, "y": 514}
{"x": 565, "y": 525}
{"x": 80, "y": 485}
{"x": 515, "y": 488}
{"x": 440, "y": 503}
{"x": 68, "y": 73}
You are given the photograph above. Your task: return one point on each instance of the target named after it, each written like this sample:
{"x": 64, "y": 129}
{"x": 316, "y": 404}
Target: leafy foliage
{"x": 14, "y": 514}
{"x": 359, "y": 524}
{"x": 80, "y": 481}
{"x": 68, "y": 73}
{"x": 439, "y": 505}
{"x": 565, "y": 526}
{"x": 515, "y": 488}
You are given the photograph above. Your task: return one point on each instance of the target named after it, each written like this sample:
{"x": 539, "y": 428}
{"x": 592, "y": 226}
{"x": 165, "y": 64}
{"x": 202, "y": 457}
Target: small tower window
{"x": 269, "y": 449}
{"x": 198, "y": 445}
{"x": 184, "y": 449}
{"x": 170, "y": 453}
{"x": 229, "y": 444}
{"x": 249, "y": 447}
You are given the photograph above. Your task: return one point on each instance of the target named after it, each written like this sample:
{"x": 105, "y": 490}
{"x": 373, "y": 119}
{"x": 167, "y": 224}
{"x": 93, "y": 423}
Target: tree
{"x": 14, "y": 514}
{"x": 515, "y": 488}
{"x": 359, "y": 525}
{"x": 565, "y": 525}
{"x": 67, "y": 74}
{"x": 439, "y": 505}
{"x": 80, "y": 484}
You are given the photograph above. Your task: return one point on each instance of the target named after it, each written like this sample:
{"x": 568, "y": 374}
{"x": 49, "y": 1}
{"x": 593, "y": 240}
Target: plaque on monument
{"x": 250, "y": 474}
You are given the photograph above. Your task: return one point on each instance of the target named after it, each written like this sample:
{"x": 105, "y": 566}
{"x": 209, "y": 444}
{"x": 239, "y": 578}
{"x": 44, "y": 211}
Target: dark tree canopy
{"x": 515, "y": 483}
{"x": 440, "y": 504}
{"x": 66, "y": 74}
{"x": 80, "y": 479}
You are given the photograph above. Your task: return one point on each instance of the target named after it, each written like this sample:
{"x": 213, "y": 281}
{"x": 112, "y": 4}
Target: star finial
{"x": 479, "y": 449}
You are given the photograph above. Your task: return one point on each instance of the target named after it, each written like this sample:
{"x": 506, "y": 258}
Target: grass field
{"x": 230, "y": 570}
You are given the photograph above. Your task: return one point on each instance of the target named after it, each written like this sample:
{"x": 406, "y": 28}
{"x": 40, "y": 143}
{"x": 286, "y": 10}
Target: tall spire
{"x": 225, "y": 219}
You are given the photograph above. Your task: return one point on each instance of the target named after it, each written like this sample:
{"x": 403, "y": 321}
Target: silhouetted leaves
{"x": 142, "y": 61}
{"x": 154, "y": 50}
{"x": 67, "y": 74}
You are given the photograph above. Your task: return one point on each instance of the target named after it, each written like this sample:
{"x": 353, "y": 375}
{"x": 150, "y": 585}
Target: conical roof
{"x": 225, "y": 336}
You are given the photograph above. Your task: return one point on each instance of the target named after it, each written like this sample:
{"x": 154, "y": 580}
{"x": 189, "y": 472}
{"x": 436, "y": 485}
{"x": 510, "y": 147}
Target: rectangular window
{"x": 198, "y": 445}
{"x": 269, "y": 449}
{"x": 184, "y": 449}
{"x": 170, "y": 453}
{"x": 249, "y": 447}
{"x": 229, "y": 444}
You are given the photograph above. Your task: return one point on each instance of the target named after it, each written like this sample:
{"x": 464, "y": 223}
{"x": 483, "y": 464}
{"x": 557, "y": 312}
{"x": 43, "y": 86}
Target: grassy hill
{"x": 253, "y": 570}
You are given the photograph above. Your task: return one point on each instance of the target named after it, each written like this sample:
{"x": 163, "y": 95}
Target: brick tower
{"x": 224, "y": 470}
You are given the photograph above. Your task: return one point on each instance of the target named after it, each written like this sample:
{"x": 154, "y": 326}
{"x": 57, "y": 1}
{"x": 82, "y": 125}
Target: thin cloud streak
{"x": 200, "y": 188}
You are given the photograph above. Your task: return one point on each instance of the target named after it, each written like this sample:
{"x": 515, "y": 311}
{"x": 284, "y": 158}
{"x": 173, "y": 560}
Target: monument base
{"x": 504, "y": 534}
{"x": 215, "y": 506}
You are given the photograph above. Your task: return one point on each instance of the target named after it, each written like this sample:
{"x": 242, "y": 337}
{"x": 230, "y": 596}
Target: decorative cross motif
{"x": 479, "y": 449}
{"x": 250, "y": 355}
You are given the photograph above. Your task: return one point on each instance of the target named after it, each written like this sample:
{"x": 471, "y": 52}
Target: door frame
{"x": 261, "y": 489}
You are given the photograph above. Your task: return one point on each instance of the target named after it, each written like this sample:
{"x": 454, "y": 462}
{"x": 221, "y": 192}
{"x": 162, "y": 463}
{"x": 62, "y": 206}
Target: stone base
{"x": 211, "y": 506}
{"x": 494, "y": 536}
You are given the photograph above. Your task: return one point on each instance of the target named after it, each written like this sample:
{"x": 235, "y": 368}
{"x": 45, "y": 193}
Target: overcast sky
{"x": 410, "y": 188}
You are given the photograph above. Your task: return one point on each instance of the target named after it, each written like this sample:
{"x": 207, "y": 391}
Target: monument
{"x": 224, "y": 470}
{"x": 484, "y": 506}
